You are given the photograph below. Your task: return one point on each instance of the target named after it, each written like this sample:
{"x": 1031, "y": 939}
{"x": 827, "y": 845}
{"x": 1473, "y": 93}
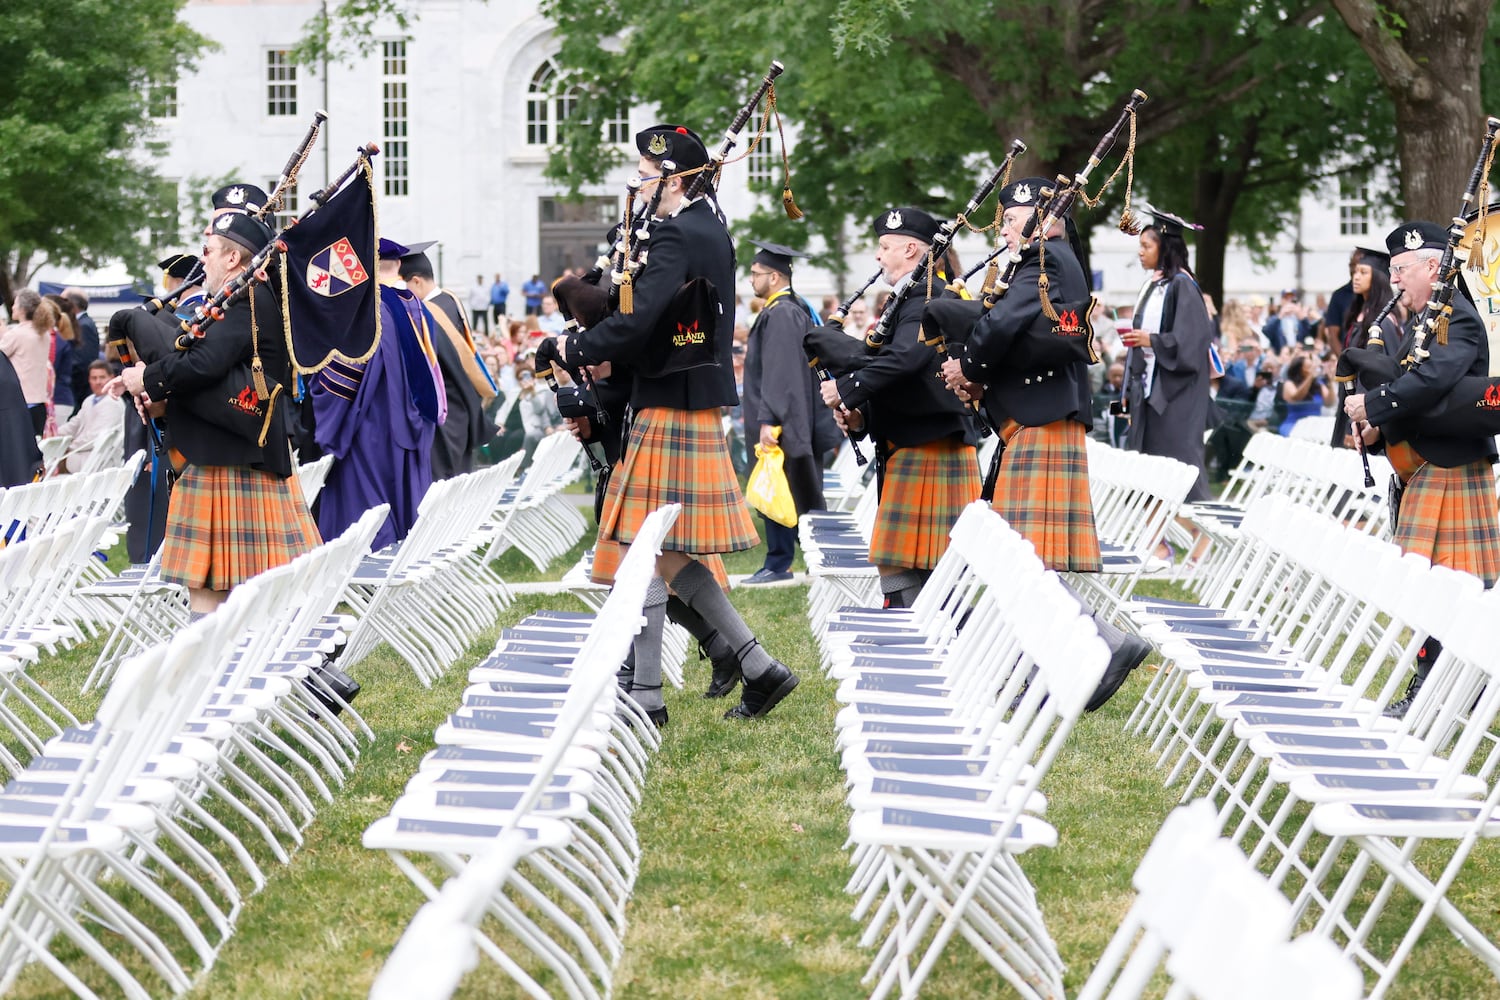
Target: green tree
{"x": 1429, "y": 54}
{"x": 903, "y": 102}
{"x": 74, "y": 76}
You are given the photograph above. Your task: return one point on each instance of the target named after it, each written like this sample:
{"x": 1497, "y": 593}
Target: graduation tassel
{"x": 627, "y": 293}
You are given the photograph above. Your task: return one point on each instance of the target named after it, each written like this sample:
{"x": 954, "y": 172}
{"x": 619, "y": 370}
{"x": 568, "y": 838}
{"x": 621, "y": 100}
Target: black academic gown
{"x": 462, "y": 433}
{"x": 1171, "y": 421}
{"x": 781, "y": 390}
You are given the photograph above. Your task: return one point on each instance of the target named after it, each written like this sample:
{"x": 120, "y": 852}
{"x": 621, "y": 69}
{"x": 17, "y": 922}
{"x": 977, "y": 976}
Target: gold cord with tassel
{"x": 787, "y": 201}
{"x": 1042, "y": 281}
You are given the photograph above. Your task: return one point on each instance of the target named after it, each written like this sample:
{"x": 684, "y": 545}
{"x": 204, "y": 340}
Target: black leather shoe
{"x": 1398, "y": 708}
{"x": 764, "y": 693}
{"x": 658, "y": 716}
{"x": 726, "y": 674}
{"x": 1129, "y": 655}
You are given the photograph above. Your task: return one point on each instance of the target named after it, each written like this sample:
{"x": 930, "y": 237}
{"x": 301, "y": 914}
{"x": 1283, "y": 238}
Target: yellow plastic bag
{"x": 768, "y": 490}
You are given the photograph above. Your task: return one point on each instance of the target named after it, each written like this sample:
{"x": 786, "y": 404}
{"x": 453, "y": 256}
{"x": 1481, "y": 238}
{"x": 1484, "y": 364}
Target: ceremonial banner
{"x": 328, "y": 278}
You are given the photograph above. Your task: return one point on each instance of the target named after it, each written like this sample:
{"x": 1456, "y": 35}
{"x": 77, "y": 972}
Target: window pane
{"x": 394, "y": 119}
{"x": 281, "y": 83}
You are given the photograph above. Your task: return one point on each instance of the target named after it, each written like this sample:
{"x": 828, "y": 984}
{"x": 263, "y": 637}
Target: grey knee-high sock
{"x": 1113, "y": 637}
{"x": 901, "y": 589}
{"x": 646, "y": 687}
{"x": 710, "y": 642}
{"x": 700, "y": 592}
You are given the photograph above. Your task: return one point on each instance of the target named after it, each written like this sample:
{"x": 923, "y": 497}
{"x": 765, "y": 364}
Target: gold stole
{"x": 464, "y": 345}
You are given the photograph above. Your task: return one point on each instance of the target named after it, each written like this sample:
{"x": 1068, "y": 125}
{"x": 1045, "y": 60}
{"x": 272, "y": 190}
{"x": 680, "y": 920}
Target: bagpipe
{"x": 245, "y": 400}
{"x": 581, "y": 399}
{"x": 572, "y": 402}
{"x": 831, "y": 352}
{"x": 1472, "y": 407}
{"x": 831, "y": 342}
{"x": 586, "y": 301}
{"x": 949, "y": 321}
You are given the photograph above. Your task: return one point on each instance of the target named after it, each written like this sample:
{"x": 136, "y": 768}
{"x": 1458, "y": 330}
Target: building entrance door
{"x": 573, "y": 233}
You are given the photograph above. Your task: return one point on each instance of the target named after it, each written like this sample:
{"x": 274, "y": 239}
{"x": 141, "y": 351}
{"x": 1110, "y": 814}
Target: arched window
{"x": 550, "y": 101}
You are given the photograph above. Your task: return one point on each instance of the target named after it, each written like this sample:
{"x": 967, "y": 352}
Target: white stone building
{"x": 464, "y": 106}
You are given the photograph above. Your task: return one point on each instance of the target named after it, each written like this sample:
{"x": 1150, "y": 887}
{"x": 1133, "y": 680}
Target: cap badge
{"x": 235, "y": 195}
{"x": 1413, "y": 240}
{"x": 1022, "y": 194}
{"x": 893, "y": 220}
{"x": 657, "y": 146}
{"x": 223, "y": 221}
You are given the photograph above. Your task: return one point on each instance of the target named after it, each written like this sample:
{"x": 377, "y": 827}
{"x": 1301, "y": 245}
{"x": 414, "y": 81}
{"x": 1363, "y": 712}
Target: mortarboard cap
{"x": 1416, "y": 236}
{"x": 677, "y": 143}
{"x": 1166, "y": 223}
{"x": 391, "y": 250}
{"x": 239, "y": 198}
{"x": 1378, "y": 260}
{"x": 416, "y": 262}
{"x": 179, "y": 265}
{"x": 906, "y": 221}
{"x": 246, "y": 230}
{"x": 775, "y": 256}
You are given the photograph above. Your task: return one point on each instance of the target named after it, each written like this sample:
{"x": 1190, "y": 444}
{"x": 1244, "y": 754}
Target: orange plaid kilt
{"x": 679, "y": 456}
{"x": 1043, "y": 492}
{"x": 1448, "y": 515}
{"x": 225, "y": 524}
{"x": 923, "y": 489}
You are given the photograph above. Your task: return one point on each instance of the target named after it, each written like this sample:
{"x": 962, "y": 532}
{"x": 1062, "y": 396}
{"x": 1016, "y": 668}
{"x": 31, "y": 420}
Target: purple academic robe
{"x": 377, "y": 421}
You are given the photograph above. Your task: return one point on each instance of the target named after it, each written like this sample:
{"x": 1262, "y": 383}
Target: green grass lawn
{"x": 742, "y": 829}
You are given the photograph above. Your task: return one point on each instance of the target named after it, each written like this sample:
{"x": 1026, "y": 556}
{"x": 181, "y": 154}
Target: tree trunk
{"x": 1217, "y": 188}
{"x": 1431, "y": 70}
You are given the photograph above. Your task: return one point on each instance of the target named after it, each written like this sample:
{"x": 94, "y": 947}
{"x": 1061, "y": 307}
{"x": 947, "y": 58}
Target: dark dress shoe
{"x": 1398, "y": 708}
{"x": 658, "y": 716}
{"x": 764, "y": 693}
{"x": 764, "y": 575}
{"x": 1122, "y": 660}
{"x": 726, "y": 674}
